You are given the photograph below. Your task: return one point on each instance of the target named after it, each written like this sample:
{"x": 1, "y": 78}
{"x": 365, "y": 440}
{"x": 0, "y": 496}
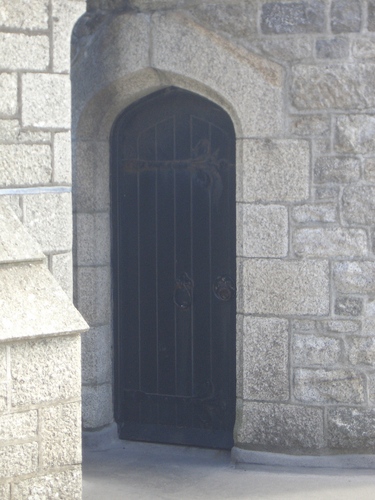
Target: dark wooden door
{"x": 173, "y": 198}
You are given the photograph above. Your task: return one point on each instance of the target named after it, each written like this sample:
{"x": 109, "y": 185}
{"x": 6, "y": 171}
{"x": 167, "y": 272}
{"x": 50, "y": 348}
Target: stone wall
{"x": 306, "y": 268}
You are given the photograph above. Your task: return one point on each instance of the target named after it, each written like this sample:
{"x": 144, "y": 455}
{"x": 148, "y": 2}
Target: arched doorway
{"x": 174, "y": 267}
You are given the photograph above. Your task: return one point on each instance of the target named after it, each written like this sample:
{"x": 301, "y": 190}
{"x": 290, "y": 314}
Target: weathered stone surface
{"x": 371, "y": 387}
{"x": 190, "y": 48}
{"x": 368, "y": 326}
{"x": 94, "y": 294}
{"x": 305, "y": 214}
{"x": 285, "y": 49}
{"x": 310, "y": 125}
{"x": 25, "y": 165}
{"x": 19, "y": 425}
{"x": 336, "y": 169}
{"x": 325, "y": 193}
{"x": 62, "y": 168}
{"x": 345, "y": 16}
{"x": 8, "y": 92}
{"x": 48, "y": 218}
{"x": 277, "y": 427}
{"x": 56, "y": 360}
{"x": 3, "y": 396}
{"x": 371, "y": 15}
{"x": 18, "y": 459}
{"x": 338, "y": 86}
{"x": 235, "y": 18}
{"x": 3, "y": 362}
{"x": 276, "y": 170}
{"x": 61, "y": 435}
{"x": 354, "y": 277}
{"x": 32, "y": 304}
{"x": 321, "y": 145}
{"x": 370, "y": 170}
{"x": 91, "y": 178}
{"x": 46, "y": 100}
{"x": 96, "y": 406}
{"x": 65, "y": 13}
{"x": 16, "y": 244}
{"x": 60, "y": 485}
{"x": 96, "y": 356}
{"x": 338, "y": 326}
{"x": 262, "y": 230}
{"x": 363, "y": 48}
{"x": 330, "y": 242}
{"x": 18, "y": 51}
{"x": 285, "y": 287}
{"x": 310, "y": 350}
{"x": 5, "y": 491}
{"x": 351, "y": 429}
{"x": 265, "y": 359}
{"x": 332, "y": 48}
{"x": 355, "y": 134}
{"x": 328, "y": 386}
{"x": 348, "y": 306}
{"x": 62, "y": 270}
{"x": 11, "y": 132}
{"x": 94, "y": 245}
{"x": 362, "y": 351}
{"x": 293, "y": 17}
{"x": 25, "y": 15}
{"x": 303, "y": 325}
{"x": 358, "y": 204}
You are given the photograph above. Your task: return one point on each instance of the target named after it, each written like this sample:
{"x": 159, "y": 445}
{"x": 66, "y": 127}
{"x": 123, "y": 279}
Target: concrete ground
{"x": 142, "y": 471}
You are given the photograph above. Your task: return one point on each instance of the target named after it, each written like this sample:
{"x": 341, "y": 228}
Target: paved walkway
{"x": 142, "y": 471}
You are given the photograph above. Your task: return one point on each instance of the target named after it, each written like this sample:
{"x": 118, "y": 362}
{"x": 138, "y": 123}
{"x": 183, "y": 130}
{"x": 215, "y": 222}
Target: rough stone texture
{"x": 351, "y": 429}
{"x": 286, "y": 288}
{"x": 333, "y": 48}
{"x": 310, "y": 125}
{"x": 62, "y": 270}
{"x": 293, "y": 17}
{"x": 61, "y": 435}
{"x": 18, "y": 51}
{"x": 338, "y": 86}
{"x": 96, "y": 406}
{"x": 62, "y": 168}
{"x": 275, "y": 170}
{"x": 94, "y": 239}
{"x": 345, "y": 16}
{"x": 17, "y": 459}
{"x": 55, "y": 360}
{"x": 325, "y": 193}
{"x": 65, "y": 13}
{"x": 32, "y": 304}
{"x": 8, "y": 91}
{"x": 328, "y": 386}
{"x": 355, "y": 134}
{"x": 362, "y": 351}
{"x": 5, "y": 491}
{"x": 363, "y": 48}
{"x": 330, "y": 242}
{"x": 265, "y": 359}
{"x": 16, "y": 245}
{"x": 60, "y": 485}
{"x": 96, "y": 356}
{"x": 24, "y": 15}
{"x": 369, "y": 172}
{"x": 3, "y": 362}
{"x": 48, "y": 218}
{"x": 46, "y": 100}
{"x": 94, "y": 294}
{"x": 305, "y": 214}
{"x": 286, "y": 49}
{"x": 3, "y": 396}
{"x": 354, "y": 277}
{"x": 368, "y": 326}
{"x": 310, "y": 350}
{"x": 19, "y": 425}
{"x": 335, "y": 169}
{"x": 25, "y": 165}
{"x": 262, "y": 230}
{"x": 303, "y": 325}
{"x": 281, "y": 427}
{"x": 358, "y": 204}
{"x": 260, "y": 112}
{"x": 371, "y": 15}
{"x": 11, "y": 132}
{"x": 348, "y": 306}
{"x": 338, "y": 326}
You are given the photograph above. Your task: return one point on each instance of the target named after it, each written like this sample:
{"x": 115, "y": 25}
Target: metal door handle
{"x": 224, "y": 288}
{"x": 183, "y": 292}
